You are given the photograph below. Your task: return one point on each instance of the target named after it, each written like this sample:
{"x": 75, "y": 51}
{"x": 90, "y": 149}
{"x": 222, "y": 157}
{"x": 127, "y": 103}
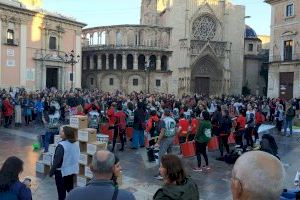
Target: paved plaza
{"x": 137, "y": 172}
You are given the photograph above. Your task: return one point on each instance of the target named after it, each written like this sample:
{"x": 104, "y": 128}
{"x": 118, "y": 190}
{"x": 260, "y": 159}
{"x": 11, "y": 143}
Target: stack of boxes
{"x": 88, "y": 145}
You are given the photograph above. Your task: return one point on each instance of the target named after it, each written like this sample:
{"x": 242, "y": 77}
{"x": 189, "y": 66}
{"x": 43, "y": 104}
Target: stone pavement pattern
{"x": 137, "y": 172}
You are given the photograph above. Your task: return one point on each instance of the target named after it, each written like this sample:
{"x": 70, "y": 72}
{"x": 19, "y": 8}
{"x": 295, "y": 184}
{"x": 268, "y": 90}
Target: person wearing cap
{"x": 166, "y": 137}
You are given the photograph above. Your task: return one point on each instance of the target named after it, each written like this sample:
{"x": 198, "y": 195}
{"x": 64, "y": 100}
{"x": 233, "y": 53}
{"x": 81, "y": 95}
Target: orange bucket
{"x": 129, "y": 132}
{"x": 213, "y": 144}
{"x": 188, "y": 149}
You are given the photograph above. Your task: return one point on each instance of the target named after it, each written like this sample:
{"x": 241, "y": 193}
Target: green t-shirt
{"x": 204, "y": 132}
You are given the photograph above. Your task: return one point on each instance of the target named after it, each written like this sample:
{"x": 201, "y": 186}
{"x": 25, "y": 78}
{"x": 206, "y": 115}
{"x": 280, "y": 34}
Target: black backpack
{"x": 154, "y": 132}
{"x": 268, "y": 144}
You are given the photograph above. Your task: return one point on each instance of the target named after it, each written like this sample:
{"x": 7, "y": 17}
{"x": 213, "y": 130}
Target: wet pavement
{"x": 137, "y": 172}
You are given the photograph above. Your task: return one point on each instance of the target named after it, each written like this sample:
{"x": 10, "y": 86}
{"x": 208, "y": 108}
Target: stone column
{"x": 124, "y": 61}
{"x": 115, "y": 61}
{"x": 158, "y": 63}
{"x": 107, "y": 61}
{"x": 99, "y": 62}
{"x": 91, "y": 62}
{"x": 135, "y": 61}
{"x": 147, "y": 61}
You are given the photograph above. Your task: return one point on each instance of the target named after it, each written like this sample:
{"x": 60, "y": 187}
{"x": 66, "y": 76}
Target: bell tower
{"x": 149, "y": 12}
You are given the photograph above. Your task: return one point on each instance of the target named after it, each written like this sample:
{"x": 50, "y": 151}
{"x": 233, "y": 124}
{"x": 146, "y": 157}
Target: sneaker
{"x": 158, "y": 177}
{"x": 288, "y": 135}
{"x": 207, "y": 167}
{"x": 197, "y": 169}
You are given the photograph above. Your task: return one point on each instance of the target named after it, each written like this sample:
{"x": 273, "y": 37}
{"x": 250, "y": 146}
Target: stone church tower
{"x": 149, "y": 14}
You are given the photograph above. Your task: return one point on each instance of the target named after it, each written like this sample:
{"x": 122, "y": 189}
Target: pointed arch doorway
{"x": 206, "y": 76}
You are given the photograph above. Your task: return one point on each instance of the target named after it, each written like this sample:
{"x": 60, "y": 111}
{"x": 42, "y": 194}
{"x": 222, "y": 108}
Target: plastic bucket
{"x": 129, "y": 132}
{"x": 102, "y": 138}
{"x": 188, "y": 149}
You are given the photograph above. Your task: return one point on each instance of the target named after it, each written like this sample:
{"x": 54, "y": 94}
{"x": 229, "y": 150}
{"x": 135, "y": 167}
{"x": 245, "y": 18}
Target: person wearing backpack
{"x": 166, "y": 137}
{"x": 120, "y": 127}
{"x": 10, "y": 186}
{"x": 202, "y": 138}
{"x": 289, "y": 116}
{"x": 225, "y": 129}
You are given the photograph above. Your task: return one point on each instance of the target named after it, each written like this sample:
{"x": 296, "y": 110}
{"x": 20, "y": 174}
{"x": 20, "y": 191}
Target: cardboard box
{"x": 57, "y": 139}
{"x": 52, "y": 148}
{"x": 87, "y": 172}
{"x": 47, "y": 158}
{"x": 41, "y": 167}
{"x": 93, "y": 147}
{"x": 79, "y": 121}
{"x": 81, "y": 181}
{"x": 81, "y": 169}
{"x": 87, "y": 135}
{"x": 83, "y": 147}
{"x": 85, "y": 159}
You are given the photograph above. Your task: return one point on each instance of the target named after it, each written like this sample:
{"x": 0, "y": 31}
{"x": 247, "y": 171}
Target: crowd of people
{"x": 158, "y": 120}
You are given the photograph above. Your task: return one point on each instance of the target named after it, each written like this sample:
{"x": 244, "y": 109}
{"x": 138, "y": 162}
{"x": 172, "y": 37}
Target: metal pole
{"x": 72, "y": 64}
{"x": 148, "y": 80}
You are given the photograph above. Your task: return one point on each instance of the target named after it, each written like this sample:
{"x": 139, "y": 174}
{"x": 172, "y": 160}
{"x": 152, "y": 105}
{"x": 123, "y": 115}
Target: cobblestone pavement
{"x": 137, "y": 172}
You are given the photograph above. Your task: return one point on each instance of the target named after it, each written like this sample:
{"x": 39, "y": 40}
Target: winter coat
{"x": 9, "y": 109}
{"x": 186, "y": 191}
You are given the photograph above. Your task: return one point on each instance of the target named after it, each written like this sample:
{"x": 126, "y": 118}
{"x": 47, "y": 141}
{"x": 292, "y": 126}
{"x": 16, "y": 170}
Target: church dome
{"x": 250, "y": 33}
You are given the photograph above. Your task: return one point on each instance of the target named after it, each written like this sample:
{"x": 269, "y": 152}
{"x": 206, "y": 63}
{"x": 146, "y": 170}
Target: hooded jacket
{"x": 187, "y": 191}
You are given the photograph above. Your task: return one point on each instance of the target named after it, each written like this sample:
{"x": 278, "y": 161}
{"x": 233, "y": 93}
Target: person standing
{"x": 166, "y": 137}
{"x": 65, "y": 163}
{"x": 10, "y": 185}
{"x": 289, "y": 116}
{"x": 138, "y": 127}
{"x": 202, "y": 138}
{"x": 225, "y": 130}
{"x": 120, "y": 127}
{"x": 279, "y": 117}
{"x": 8, "y": 110}
{"x": 177, "y": 186}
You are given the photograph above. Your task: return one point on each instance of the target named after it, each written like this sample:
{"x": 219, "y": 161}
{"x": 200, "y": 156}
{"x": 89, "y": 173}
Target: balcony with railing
{"x": 285, "y": 58}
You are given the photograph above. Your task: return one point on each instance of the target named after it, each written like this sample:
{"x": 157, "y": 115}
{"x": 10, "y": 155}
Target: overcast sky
{"x": 112, "y": 12}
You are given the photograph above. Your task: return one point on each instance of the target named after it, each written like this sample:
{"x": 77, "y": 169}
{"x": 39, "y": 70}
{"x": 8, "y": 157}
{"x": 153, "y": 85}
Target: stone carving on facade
{"x": 198, "y": 46}
{"x": 204, "y": 28}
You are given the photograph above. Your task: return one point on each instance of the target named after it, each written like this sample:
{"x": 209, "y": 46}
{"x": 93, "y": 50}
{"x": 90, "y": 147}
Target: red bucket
{"x": 213, "y": 144}
{"x": 188, "y": 149}
{"x": 129, "y": 132}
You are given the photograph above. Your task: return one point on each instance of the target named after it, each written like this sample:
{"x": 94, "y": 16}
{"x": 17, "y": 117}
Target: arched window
{"x": 111, "y": 61}
{"x": 95, "y": 61}
{"x": 88, "y": 64}
{"x": 152, "y": 64}
{"x": 10, "y": 36}
{"x": 88, "y": 37}
{"x": 129, "y": 61}
{"x": 130, "y": 38}
{"x": 103, "y": 61}
{"x": 164, "y": 63}
{"x": 103, "y": 38}
{"x": 118, "y": 38}
{"x": 141, "y": 62}
{"x": 119, "y": 61}
{"x": 141, "y": 37}
{"x": 95, "y": 38}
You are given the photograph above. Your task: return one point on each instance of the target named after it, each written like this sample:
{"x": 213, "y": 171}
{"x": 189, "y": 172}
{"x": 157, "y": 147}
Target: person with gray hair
{"x": 257, "y": 175}
{"x": 103, "y": 168}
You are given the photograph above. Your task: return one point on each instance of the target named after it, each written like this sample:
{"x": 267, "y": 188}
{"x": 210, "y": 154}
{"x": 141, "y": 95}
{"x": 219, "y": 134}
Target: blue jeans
{"x": 48, "y": 139}
{"x": 138, "y": 138}
{"x": 288, "y": 124}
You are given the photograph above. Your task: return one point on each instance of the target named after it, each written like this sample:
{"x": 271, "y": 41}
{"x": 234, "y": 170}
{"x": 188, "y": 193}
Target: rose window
{"x": 204, "y": 28}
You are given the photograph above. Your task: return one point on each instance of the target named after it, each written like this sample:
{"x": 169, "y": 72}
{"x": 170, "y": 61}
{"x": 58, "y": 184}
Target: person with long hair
{"x": 177, "y": 185}
{"x": 65, "y": 163}
{"x": 10, "y": 185}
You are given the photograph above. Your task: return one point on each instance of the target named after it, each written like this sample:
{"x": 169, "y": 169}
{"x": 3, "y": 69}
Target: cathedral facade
{"x": 180, "y": 47}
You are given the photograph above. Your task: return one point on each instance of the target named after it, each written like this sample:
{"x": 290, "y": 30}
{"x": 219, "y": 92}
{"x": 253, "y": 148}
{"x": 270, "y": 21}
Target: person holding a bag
{"x": 202, "y": 138}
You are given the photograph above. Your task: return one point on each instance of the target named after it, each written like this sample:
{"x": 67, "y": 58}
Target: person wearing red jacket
{"x": 195, "y": 123}
{"x": 8, "y": 111}
{"x": 240, "y": 127}
{"x": 120, "y": 127}
{"x": 259, "y": 119}
{"x": 183, "y": 128}
{"x": 152, "y": 127}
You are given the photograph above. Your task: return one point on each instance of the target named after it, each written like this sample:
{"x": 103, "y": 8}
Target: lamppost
{"x": 70, "y": 58}
{"x": 148, "y": 66}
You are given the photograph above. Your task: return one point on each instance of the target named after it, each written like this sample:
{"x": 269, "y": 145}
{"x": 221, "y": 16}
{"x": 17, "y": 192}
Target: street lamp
{"x": 70, "y": 58}
{"x": 148, "y": 66}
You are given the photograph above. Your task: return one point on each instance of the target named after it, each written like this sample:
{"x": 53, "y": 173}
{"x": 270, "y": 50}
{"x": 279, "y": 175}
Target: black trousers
{"x": 201, "y": 149}
{"x": 121, "y": 134}
{"x": 279, "y": 125}
{"x": 223, "y": 142}
{"x": 64, "y": 184}
{"x": 248, "y": 136}
{"x": 7, "y": 121}
{"x": 27, "y": 119}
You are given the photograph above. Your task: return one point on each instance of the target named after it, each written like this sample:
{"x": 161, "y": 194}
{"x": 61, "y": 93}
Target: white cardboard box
{"x": 87, "y": 135}
{"x": 47, "y": 158}
{"x": 52, "y": 148}
{"x": 87, "y": 172}
{"x": 95, "y": 146}
{"x": 79, "y": 122}
{"x": 57, "y": 139}
{"x": 81, "y": 181}
{"x": 85, "y": 159}
{"x": 40, "y": 167}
